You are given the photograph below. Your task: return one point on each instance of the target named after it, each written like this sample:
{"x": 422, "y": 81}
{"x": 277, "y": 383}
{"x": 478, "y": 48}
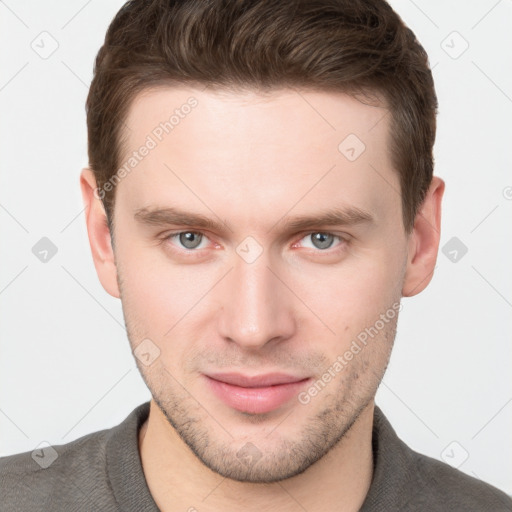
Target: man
{"x": 260, "y": 197}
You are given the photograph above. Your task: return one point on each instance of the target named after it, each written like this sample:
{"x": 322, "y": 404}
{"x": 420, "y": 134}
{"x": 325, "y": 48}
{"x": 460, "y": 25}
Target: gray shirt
{"x": 102, "y": 471}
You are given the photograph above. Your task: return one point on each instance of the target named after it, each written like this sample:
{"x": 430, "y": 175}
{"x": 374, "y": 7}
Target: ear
{"x": 423, "y": 241}
{"x": 99, "y": 234}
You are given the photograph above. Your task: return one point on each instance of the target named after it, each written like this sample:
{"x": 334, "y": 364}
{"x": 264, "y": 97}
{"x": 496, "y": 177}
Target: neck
{"x": 178, "y": 480}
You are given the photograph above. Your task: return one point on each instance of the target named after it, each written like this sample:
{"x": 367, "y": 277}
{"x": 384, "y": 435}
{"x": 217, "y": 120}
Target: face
{"x": 259, "y": 235}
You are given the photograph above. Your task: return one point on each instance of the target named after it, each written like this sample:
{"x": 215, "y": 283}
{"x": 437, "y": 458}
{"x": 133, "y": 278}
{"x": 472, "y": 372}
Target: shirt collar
{"x": 124, "y": 465}
{"x": 392, "y": 462}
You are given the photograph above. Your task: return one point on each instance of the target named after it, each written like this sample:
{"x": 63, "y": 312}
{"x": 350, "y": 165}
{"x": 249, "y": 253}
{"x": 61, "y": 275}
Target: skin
{"x": 253, "y": 162}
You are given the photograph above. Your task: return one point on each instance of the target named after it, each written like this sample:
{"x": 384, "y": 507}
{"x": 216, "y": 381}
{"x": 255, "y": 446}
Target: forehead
{"x": 260, "y": 150}
{"x": 306, "y": 113}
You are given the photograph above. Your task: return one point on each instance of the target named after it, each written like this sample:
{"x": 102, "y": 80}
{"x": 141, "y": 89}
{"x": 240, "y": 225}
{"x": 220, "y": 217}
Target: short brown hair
{"x": 351, "y": 46}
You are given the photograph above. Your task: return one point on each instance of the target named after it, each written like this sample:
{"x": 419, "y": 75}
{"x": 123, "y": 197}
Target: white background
{"x": 65, "y": 365}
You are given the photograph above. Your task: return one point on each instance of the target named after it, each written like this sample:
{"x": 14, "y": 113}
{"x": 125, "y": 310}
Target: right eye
{"x": 189, "y": 240}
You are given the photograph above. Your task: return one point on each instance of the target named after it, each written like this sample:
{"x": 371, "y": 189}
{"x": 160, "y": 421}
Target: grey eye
{"x": 322, "y": 240}
{"x": 190, "y": 239}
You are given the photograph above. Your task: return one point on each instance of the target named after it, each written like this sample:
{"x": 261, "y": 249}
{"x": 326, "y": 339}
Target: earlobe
{"x": 99, "y": 234}
{"x": 423, "y": 242}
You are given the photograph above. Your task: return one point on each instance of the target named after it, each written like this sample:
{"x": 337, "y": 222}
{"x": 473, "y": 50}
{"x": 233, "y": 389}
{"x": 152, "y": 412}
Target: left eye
{"x": 188, "y": 239}
{"x": 321, "y": 240}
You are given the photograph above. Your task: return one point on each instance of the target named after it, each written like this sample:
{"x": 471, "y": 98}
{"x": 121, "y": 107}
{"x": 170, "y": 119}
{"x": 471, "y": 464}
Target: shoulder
{"x": 406, "y": 480}
{"x": 70, "y": 474}
{"x": 439, "y": 486}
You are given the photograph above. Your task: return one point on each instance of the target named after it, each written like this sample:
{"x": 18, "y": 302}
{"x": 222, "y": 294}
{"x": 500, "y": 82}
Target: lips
{"x": 255, "y": 381}
{"x": 255, "y": 394}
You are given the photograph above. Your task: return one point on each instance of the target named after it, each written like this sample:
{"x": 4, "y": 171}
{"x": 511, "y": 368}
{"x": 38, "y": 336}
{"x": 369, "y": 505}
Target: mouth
{"x": 256, "y": 394}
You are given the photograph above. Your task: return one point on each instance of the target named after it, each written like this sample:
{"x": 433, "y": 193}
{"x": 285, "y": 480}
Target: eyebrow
{"x": 345, "y": 216}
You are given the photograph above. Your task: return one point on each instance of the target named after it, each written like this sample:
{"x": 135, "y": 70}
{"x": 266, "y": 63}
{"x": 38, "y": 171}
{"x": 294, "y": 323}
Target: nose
{"x": 257, "y": 307}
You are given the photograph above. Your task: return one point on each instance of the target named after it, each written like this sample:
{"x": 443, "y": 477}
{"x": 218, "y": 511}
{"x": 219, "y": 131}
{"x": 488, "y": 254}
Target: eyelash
{"x": 330, "y": 251}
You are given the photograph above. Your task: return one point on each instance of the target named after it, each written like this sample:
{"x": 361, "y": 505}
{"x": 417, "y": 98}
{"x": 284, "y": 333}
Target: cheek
{"x": 161, "y": 301}
{"x": 154, "y": 288}
{"x": 353, "y": 295}
{"x": 152, "y": 299}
